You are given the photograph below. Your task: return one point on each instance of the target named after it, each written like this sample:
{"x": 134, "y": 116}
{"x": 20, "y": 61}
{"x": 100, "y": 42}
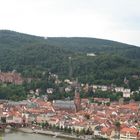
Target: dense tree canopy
{"x": 32, "y": 56}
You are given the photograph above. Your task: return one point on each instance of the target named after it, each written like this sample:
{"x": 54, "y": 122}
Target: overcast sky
{"x": 117, "y": 20}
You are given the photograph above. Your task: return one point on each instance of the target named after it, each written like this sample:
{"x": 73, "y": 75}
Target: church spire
{"x": 77, "y": 100}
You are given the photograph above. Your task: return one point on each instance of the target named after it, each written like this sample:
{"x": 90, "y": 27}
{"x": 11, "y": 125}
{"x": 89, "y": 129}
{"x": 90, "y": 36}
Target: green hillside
{"x": 32, "y": 55}
{"x": 96, "y": 45}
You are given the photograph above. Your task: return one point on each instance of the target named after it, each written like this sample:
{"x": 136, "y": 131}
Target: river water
{"x": 26, "y": 136}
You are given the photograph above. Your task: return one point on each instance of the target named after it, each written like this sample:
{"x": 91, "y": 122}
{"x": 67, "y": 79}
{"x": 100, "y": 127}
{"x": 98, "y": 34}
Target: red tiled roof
{"x": 129, "y": 130}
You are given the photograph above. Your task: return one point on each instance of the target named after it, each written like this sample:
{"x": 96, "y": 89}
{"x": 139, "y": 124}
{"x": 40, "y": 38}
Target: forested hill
{"x": 95, "y": 45}
{"x": 31, "y": 55}
{"x": 15, "y": 39}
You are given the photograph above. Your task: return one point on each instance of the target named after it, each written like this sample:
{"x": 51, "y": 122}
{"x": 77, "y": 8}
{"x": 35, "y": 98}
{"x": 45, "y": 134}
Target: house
{"x": 50, "y": 90}
{"x": 129, "y": 134}
{"x": 37, "y": 92}
{"x": 100, "y": 87}
{"x": 57, "y": 81}
{"x": 86, "y": 88}
{"x": 95, "y": 86}
{"x": 91, "y": 54}
{"x": 104, "y": 88}
{"x": 79, "y": 127}
{"x": 119, "y": 89}
{"x": 42, "y": 118}
{"x": 127, "y": 90}
{"x": 14, "y": 119}
{"x": 53, "y": 121}
{"x": 107, "y": 132}
{"x": 67, "y": 81}
{"x": 126, "y": 93}
{"x": 68, "y": 89}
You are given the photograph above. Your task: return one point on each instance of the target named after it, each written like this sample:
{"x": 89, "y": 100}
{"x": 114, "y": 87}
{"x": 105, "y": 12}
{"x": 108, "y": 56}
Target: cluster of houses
{"x": 86, "y": 87}
{"x": 113, "y": 121}
{"x": 78, "y": 114}
{"x": 16, "y": 78}
{"x": 126, "y": 91}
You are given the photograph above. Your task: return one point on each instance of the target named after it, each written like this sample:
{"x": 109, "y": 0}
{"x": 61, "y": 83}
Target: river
{"x": 26, "y": 136}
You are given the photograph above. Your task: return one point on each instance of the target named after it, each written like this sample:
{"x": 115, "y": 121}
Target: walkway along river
{"x": 26, "y": 136}
{"x": 29, "y": 134}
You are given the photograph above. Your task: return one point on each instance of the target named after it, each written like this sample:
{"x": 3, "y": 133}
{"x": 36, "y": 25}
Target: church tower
{"x": 77, "y": 101}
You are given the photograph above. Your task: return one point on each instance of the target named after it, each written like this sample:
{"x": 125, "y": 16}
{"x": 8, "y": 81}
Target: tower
{"x": 126, "y": 81}
{"x": 77, "y": 101}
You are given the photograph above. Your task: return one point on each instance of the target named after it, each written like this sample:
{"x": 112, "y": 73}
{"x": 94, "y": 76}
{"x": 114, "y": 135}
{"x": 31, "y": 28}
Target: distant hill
{"x": 31, "y": 55}
{"x": 95, "y": 45}
{"x": 15, "y": 39}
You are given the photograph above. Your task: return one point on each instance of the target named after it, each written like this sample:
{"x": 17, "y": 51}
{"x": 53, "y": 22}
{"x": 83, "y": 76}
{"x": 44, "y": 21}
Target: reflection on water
{"x": 25, "y": 136}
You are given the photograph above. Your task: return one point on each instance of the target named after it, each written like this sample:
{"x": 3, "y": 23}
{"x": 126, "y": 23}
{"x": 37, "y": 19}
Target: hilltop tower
{"x": 77, "y": 101}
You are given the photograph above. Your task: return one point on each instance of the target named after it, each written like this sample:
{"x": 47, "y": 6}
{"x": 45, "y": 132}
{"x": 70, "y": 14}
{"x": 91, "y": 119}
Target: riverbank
{"x": 51, "y": 133}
